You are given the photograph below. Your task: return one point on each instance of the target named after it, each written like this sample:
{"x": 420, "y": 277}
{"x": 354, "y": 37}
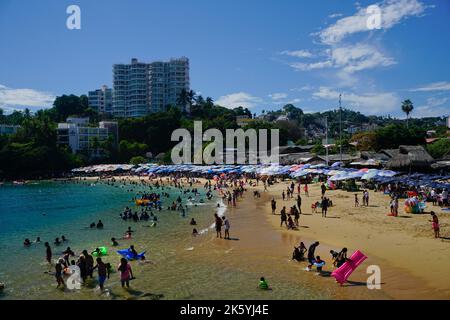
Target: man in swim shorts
{"x": 102, "y": 272}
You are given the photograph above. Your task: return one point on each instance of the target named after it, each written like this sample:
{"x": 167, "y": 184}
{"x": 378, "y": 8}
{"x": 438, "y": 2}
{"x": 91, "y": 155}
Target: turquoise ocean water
{"x": 184, "y": 267}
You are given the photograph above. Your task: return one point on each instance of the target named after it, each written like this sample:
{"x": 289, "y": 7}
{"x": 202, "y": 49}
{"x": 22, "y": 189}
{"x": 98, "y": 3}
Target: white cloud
{"x": 359, "y": 57}
{"x": 11, "y": 98}
{"x": 435, "y": 107}
{"x": 304, "y": 88}
{"x": 278, "y": 96}
{"x": 239, "y": 99}
{"x": 297, "y": 53}
{"x": 368, "y": 103}
{"x": 350, "y": 59}
{"x": 435, "y": 86}
{"x": 335, "y": 15}
{"x": 392, "y": 12}
{"x": 311, "y": 66}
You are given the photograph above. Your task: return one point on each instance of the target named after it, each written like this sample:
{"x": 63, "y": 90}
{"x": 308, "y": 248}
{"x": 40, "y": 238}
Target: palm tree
{"x": 185, "y": 99}
{"x": 209, "y": 102}
{"x": 407, "y": 107}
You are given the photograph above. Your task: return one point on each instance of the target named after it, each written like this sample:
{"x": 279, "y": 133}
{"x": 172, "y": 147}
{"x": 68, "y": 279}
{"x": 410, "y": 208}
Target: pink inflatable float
{"x": 342, "y": 273}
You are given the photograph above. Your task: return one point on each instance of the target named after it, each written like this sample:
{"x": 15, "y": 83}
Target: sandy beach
{"x": 413, "y": 264}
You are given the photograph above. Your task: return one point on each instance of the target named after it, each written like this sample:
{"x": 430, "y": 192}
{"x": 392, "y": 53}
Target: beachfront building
{"x": 77, "y": 134}
{"x": 101, "y": 100}
{"x": 143, "y": 88}
{"x": 8, "y": 129}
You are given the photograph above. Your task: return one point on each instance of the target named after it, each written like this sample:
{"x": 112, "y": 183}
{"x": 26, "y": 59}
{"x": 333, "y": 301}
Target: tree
{"x": 439, "y": 148}
{"x": 128, "y": 150}
{"x": 138, "y": 160}
{"x": 407, "y": 107}
{"x": 366, "y": 141}
{"x": 393, "y": 135}
{"x": 69, "y": 106}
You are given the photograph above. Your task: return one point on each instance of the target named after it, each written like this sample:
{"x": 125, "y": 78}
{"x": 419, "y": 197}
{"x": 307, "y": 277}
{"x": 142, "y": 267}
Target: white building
{"x": 101, "y": 100}
{"x": 79, "y": 136}
{"x": 142, "y": 88}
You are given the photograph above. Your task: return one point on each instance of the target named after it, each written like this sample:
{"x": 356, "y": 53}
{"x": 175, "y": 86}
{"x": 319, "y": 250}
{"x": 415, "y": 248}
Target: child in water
{"x": 319, "y": 263}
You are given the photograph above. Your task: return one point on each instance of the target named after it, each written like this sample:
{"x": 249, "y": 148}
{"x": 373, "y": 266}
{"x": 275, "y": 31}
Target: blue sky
{"x": 259, "y": 54}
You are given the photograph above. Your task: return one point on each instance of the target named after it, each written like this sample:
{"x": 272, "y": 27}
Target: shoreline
{"x": 403, "y": 275}
{"x": 262, "y": 248}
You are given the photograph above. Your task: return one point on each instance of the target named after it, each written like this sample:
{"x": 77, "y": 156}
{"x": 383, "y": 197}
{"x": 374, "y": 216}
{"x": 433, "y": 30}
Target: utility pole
{"x": 340, "y": 125}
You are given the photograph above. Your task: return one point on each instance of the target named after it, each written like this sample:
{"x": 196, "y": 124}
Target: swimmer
{"x": 63, "y": 238}
{"x": 57, "y": 242}
{"x": 92, "y": 225}
{"x": 193, "y": 222}
{"x": 194, "y": 232}
{"x": 27, "y": 242}
{"x": 133, "y": 251}
{"x": 100, "y": 224}
{"x": 38, "y": 239}
{"x": 114, "y": 243}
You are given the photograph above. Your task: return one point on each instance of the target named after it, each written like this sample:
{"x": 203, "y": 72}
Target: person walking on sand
{"x": 296, "y": 216}
{"x": 299, "y": 203}
{"x": 226, "y": 223}
{"x": 306, "y": 190}
{"x": 435, "y": 224}
{"x": 283, "y": 217}
{"x": 273, "y": 204}
{"x": 356, "y": 200}
{"x": 324, "y": 206}
{"x": 323, "y": 188}
{"x": 283, "y": 195}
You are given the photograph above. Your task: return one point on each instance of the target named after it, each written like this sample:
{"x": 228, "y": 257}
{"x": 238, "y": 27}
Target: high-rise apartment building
{"x": 143, "y": 88}
{"x": 101, "y": 100}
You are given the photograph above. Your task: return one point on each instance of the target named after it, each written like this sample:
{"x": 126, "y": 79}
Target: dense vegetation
{"x": 33, "y": 152}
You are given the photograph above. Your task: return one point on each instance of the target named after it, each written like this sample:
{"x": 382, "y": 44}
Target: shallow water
{"x": 183, "y": 267}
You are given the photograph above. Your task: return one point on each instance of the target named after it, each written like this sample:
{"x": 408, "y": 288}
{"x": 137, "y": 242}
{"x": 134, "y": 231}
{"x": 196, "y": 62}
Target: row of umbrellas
{"x": 335, "y": 172}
